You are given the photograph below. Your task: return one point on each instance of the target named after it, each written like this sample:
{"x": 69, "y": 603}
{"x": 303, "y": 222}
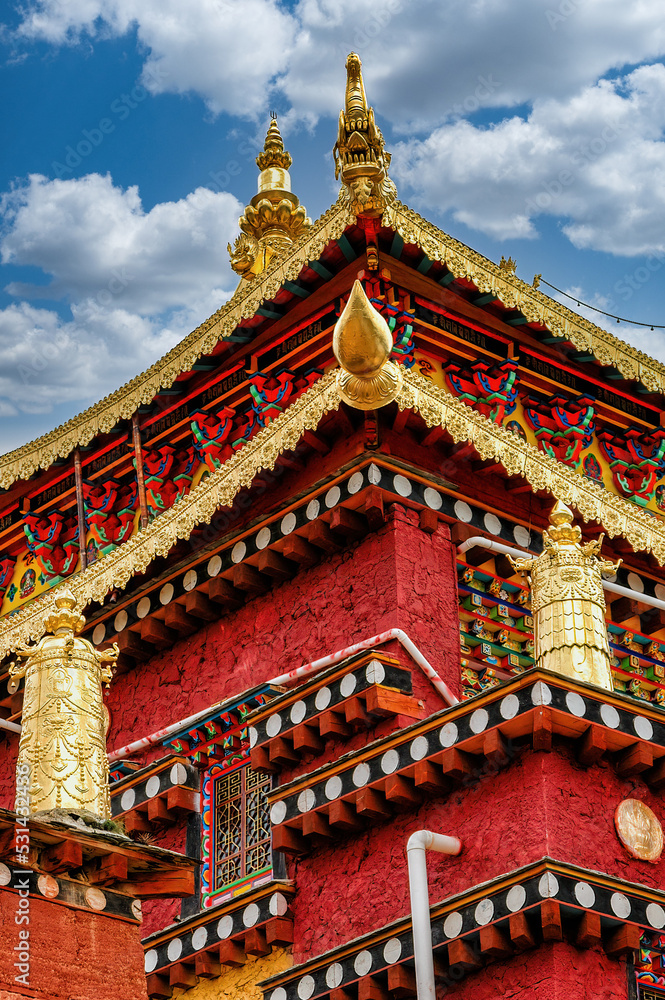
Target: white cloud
{"x": 98, "y": 244}
{"x": 596, "y": 160}
{"x": 423, "y": 58}
{"x": 45, "y": 360}
{"x": 227, "y": 51}
{"x": 136, "y": 283}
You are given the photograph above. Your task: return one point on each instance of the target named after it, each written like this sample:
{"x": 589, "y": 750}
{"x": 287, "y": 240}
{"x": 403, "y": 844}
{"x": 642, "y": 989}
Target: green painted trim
{"x": 396, "y": 246}
{"x": 346, "y": 248}
{"x": 296, "y": 289}
{"x": 319, "y": 269}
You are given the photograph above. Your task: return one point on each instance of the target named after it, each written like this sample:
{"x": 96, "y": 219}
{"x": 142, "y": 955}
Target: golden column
{"x": 63, "y": 735}
{"x": 568, "y": 602}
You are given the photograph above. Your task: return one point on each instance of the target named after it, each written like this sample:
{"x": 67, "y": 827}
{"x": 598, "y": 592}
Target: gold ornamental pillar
{"x": 568, "y": 602}
{"x": 63, "y": 734}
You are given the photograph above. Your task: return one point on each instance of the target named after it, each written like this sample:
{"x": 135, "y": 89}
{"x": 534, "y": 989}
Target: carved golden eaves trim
{"x": 517, "y": 294}
{"x": 436, "y": 406}
{"x": 121, "y": 404}
{"x": 644, "y": 532}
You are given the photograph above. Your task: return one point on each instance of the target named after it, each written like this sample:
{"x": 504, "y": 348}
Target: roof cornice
{"x": 121, "y": 404}
{"x": 436, "y": 406}
{"x": 461, "y": 260}
{"x": 514, "y": 293}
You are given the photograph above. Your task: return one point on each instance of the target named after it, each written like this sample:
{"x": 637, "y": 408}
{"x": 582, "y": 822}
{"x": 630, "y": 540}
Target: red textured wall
{"x": 74, "y": 954}
{"x": 159, "y": 913}
{"x": 542, "y": 804}
{"x": 8, "y": 755}
{"x": 555, "y": 971}
{"x": 397, "y": 577}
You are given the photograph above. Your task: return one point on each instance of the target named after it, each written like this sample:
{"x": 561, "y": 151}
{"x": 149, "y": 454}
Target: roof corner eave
{"x": 435, "y": 405}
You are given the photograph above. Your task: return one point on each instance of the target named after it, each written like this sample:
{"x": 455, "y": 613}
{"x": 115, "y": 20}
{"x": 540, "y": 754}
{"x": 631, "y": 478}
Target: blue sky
{"x": 531, "y": 127}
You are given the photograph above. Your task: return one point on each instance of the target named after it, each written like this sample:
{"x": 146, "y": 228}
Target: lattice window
{"x": 241, "y": 825}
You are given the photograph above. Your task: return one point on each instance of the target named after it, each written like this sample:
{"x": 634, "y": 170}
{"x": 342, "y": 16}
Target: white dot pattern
{"x": 448, "y": 735}
{"x": 305, "y": 987}
{"x": 620, "y": 905}
{"x": 452, "y": 925}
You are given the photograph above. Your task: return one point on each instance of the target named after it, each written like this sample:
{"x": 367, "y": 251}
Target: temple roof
{"x": 461, "y": 261}
{"x": 277, "y": 242}
{"x": 303, "y": 273}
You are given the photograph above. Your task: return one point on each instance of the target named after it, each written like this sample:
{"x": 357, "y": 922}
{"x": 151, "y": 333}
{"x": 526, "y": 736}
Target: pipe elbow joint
{"x": 426, "y": 840}
{"x": 419, "y": 841}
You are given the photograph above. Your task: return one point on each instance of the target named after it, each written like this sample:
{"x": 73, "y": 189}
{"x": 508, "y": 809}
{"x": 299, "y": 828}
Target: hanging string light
{"x": 619, "y": 319}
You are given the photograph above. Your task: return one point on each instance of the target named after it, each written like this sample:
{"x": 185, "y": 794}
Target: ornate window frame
{"x": 210, "y": 895}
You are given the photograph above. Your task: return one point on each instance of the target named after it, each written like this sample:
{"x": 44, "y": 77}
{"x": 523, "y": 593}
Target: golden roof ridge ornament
{"x": 361, "y": 159}
{"x": 362, "y": 343}
{"x": 63, "y": 736}
{"x": 274, "y": 218}
{"x": 568, "y": 602}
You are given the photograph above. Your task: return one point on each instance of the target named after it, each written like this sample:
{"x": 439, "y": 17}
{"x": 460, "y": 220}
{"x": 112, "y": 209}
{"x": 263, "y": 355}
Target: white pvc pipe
{"x": 305, "y": 671}
{"x": 653, "y": 602}
{"x": 358, "y": 647}
{"x": 614, "y": 588}
{"x": 11, "y": 727}
{"x": 489, "y": 543}
{"x": 417, "y": 844}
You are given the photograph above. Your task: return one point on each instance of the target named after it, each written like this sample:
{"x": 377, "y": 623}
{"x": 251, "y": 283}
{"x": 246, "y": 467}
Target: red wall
{"x": 73, "y": 953}
{"x": 556, "y": 971}
{"x": 398, "y": 576}
{"x": 542, "y": 804}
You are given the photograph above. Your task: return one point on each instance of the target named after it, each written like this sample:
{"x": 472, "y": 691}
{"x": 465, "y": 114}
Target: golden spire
{"x": 360, "y": 154}
{"x": 63, "y": 735}
{"x": 274, "y": 218}
{"x": 274, "y": 154}
{"x": 362, "y": 343}
{"x": 568, "y": 602}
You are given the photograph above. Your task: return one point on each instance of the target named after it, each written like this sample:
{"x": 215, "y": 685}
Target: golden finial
{"x": 362, "y": 343}
{"x": 274, "y": 218}
{"x": 63, "y": 734}
{"x": 508, "y": 264}
{"x": 560, "y": 514}
{"x": 65, "y": 616}
{"x": 361, "y": 159}
{"x": 536, "y": 280}
{"x": 568, "y": 601}
{"x": 274, "y": 154}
